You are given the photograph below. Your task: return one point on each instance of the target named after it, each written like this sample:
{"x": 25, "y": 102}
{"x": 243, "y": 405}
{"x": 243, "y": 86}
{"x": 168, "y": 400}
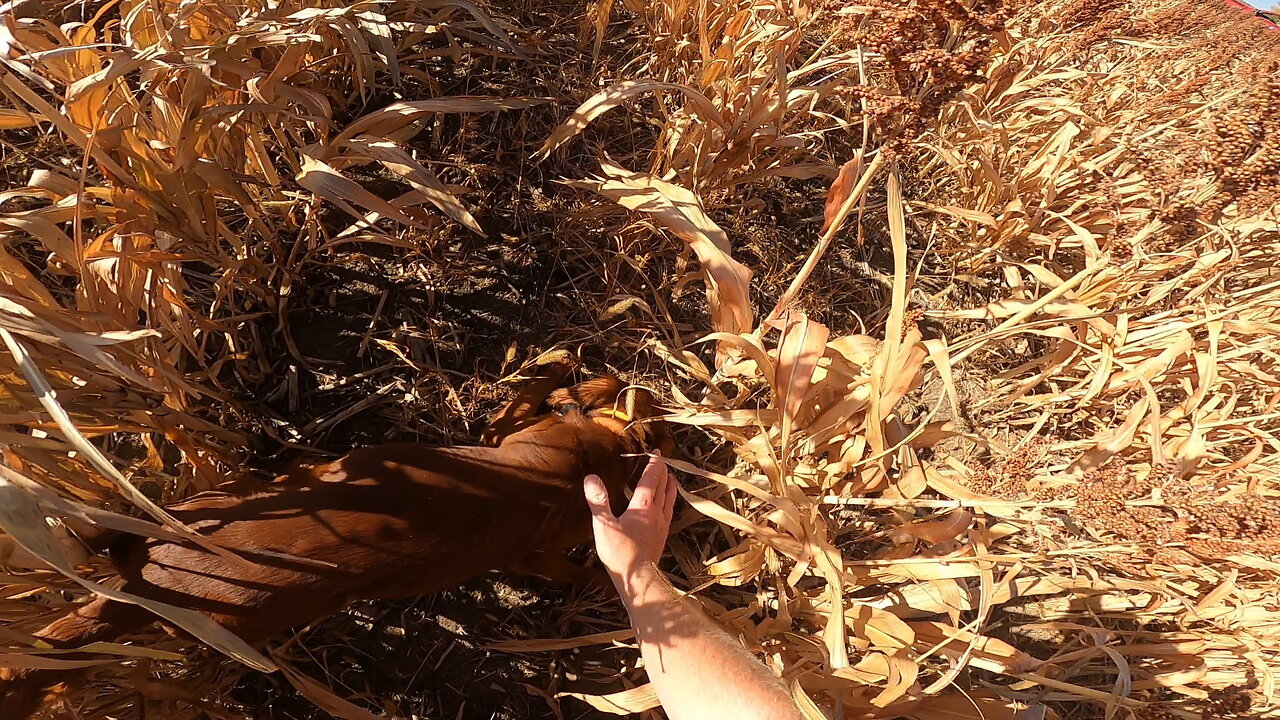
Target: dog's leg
{"x": 22, "y": 692}
{"x": 512, "y": 417}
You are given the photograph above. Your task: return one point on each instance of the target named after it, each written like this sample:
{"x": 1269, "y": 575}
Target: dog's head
{"x": 628, "y": 411}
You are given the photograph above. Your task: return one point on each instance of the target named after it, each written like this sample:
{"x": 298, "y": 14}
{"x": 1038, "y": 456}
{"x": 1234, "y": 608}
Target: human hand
{"x": 629, "y": 546}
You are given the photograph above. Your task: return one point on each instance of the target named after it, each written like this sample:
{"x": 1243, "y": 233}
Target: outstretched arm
{"x": 698, "y": 671}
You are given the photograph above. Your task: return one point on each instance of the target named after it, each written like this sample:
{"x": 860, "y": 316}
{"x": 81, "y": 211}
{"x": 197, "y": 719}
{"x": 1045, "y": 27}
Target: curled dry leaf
{"x": 613, "y": 96}
{"x": 984, "y": 652}
{"x": 680, "y": 211}
{"x": 323, "y": 180}
{"x": 859, "y": 350}
{"x": 802, "y": 344}
{"x": 626, "y": 702}
{"x": 740, "y": 567}
{"x": 397, "y": 115}
{"x": 399, "y": 161}
{"x": 839, "y": 192}
{"x": 947, "y": 528}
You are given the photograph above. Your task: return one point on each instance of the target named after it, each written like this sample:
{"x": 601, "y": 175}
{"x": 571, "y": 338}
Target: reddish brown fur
{"x": 394, "y": 520}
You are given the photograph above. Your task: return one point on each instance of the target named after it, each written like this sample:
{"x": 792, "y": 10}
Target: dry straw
{"x": 1045, "y": 490}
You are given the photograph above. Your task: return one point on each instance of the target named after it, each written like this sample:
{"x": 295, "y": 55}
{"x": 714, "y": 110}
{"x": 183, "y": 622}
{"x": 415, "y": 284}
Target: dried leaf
{"x": 397, "y": 115}
{"x": 626, "y": 702}
{"x": 613, "y": 96}
{"x": 400, "y": 162}
{"x": 802, "y": 344}
{"x": 529, "y": 646}
{"x": 48, "y": 400}
{"x": 986, "y": 652}
{"x": 324, "y": 698}
{"x": 321, "y": 179}
{"x": 11, "y": 119}
{"x": 951, "y": 526}
{"x": 975, "y": 705}
{"x": 680, "y": 211}
{"x": 840, "y": 191}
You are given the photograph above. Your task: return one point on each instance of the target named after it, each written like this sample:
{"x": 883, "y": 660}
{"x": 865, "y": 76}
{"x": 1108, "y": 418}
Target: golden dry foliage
{"x": 176, "y": 134}
{"x": 1064, "y": 502}
{"x": 745, "y": 90}
{"x": 1104, "y": 529}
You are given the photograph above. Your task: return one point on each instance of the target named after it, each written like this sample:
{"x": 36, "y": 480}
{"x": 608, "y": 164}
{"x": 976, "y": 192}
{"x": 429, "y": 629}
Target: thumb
{"x": 597, "y": 498}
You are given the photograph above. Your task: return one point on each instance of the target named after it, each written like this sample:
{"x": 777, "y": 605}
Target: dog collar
{"x": 614, "y": 413}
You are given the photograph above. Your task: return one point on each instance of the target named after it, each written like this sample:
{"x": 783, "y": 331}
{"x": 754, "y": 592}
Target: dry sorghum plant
{"x": 922, "y": 54}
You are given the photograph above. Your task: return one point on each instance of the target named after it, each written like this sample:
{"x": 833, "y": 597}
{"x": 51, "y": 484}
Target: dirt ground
{"x": 428, "y": 657}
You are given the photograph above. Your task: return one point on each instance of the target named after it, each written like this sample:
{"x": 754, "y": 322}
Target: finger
{"x": 651, "y": 480}
{"x": 662, "y": 494}
{"x": 673, "y": 492}
{"x": 597, "y": 498}
{"x": 661, "y": 488}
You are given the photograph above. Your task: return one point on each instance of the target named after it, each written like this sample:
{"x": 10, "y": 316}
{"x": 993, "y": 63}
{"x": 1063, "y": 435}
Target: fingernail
{"x": 595, "y": 489}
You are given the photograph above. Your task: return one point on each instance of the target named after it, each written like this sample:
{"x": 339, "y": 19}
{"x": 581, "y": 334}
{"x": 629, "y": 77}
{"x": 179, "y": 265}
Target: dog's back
{"x": 389, "y": 521}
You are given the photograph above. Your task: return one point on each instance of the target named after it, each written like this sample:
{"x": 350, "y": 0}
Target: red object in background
{"x": 1270, "y": 18}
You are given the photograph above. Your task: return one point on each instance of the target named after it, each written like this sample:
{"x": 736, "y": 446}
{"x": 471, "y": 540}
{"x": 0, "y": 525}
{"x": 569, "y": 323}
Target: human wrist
{"x": 641, "y": 584}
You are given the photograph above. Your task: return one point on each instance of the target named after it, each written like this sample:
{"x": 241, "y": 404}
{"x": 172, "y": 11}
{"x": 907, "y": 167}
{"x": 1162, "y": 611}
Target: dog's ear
{"x": 639, "y": 404}
{"x": 527, "y": 402}
{"x": 606, "y": 391}
{"x": 595, "y": 393}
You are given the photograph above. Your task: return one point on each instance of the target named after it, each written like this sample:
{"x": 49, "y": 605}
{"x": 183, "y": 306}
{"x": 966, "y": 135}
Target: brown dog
{"x": 389, "y": 521}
